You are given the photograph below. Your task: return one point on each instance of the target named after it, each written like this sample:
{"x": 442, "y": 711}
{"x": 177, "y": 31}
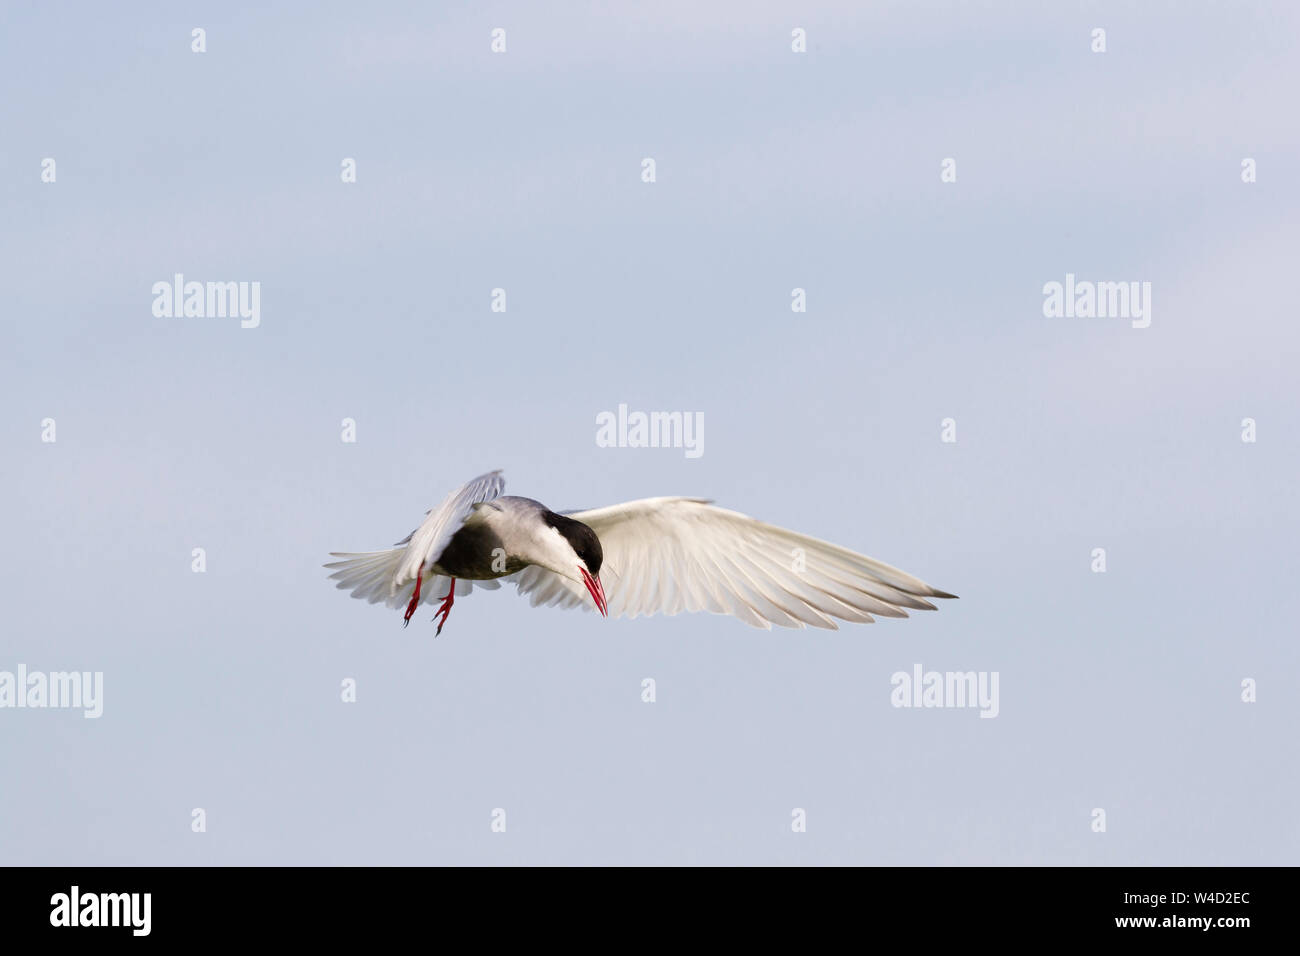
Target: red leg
{"x": 445, "y": 609}
{"x": 415, "y": 599}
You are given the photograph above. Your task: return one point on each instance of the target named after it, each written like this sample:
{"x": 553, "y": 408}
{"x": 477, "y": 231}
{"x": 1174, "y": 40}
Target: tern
{"x": 658, "y": 555}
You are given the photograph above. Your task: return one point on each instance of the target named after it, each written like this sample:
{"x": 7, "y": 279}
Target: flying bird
{"x": 655, "y": 556}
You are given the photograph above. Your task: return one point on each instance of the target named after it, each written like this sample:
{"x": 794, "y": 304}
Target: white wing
{"x": 667, "y": 555}
{"x": 389, "y": 575}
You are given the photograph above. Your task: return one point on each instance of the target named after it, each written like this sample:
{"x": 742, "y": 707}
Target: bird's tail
{"x": 369, "y": 575}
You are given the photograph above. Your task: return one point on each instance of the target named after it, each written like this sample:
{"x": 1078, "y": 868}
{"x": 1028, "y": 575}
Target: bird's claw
{"x": 415, "y": 601}
{"x": 445, "y": 609}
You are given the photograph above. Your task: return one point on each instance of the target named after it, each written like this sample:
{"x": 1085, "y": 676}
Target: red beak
{"x": 597, "y": 592}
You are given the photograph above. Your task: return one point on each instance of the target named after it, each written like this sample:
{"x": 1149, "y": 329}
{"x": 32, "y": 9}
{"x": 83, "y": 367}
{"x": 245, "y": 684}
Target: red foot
{"x": 415, "y": 599}
{"x": 445, "y": 608}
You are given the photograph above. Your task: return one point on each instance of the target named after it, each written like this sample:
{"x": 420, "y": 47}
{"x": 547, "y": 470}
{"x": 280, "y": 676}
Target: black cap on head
{"x": 583, "y": 540}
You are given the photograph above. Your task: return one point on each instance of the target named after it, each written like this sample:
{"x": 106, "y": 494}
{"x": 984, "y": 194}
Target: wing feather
{"x": 668, "y": 555}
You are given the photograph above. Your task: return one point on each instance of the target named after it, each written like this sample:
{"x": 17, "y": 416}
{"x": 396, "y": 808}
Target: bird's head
{"x": 578, "y": 556}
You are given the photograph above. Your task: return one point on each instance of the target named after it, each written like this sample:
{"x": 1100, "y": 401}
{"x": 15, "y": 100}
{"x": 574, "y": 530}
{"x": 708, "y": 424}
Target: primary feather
{"x": 667, "y": 555}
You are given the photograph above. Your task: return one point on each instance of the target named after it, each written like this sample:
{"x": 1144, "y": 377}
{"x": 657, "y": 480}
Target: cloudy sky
{"x": 774, "y": 170}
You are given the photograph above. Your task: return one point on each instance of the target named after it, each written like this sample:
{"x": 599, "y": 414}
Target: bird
{"x": 655, "y": 556}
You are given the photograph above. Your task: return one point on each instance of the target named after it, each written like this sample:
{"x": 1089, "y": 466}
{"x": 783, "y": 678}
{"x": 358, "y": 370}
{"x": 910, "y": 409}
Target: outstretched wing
{"x": 389, "y": 575}
{"x": 667, "y": 555}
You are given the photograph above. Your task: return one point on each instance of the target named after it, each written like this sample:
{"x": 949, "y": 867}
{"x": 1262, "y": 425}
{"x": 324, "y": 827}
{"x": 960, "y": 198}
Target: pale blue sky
{"x": 775, "y": 170}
